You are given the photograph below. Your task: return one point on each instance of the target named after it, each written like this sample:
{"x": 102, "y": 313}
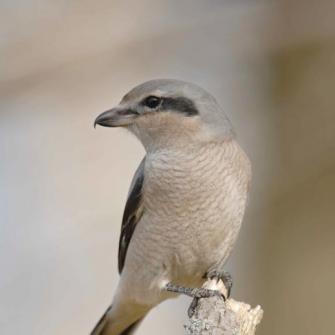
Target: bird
{"x": 186, "y": 201}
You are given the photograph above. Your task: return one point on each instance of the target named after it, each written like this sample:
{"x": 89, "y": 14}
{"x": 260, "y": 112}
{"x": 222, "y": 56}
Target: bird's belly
{"x": 203, "y": 245}
{"x": 182, "y": 248}
{"x": 178, "y": 249}
{"x": 196, "y": 226}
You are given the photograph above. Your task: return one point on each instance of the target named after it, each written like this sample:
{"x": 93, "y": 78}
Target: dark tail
{"x": 105, "y": 325}
{"x": 131, "y": 329}
{"x": 99, "y": 327}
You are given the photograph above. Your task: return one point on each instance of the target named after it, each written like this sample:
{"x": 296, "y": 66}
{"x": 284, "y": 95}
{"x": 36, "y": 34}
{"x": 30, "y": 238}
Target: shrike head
{"x": 167, "y": 112}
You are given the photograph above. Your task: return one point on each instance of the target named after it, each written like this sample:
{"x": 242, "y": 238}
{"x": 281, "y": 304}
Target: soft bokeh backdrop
{"x": 63, "y": 185}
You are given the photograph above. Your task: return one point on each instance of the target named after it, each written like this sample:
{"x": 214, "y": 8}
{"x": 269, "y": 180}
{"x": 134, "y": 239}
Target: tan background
{"x": 63, "y": 185}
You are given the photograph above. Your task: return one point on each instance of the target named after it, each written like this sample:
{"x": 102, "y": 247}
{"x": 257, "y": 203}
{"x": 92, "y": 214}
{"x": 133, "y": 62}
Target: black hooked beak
{"x": 116, "y": 117}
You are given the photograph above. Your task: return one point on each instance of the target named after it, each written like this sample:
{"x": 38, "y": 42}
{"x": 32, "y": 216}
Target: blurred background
{"x": 63, "y": 185}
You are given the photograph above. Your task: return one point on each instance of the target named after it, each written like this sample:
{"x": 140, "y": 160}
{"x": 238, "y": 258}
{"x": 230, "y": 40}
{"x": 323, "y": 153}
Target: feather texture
{"x": 132, "y": 213}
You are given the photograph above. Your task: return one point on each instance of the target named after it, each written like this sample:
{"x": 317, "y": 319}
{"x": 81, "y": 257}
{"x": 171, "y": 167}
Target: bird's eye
{"x": 152, "y": 101}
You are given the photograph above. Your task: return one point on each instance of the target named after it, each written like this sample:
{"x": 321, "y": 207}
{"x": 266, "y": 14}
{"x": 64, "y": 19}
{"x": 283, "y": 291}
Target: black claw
{"x": 224, "y": 276}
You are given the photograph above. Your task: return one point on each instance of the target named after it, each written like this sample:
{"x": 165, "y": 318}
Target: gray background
{"x": 63, "y": 185}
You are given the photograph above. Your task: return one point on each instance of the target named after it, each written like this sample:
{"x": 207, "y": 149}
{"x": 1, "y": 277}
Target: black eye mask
{"x": 177, "y": 104}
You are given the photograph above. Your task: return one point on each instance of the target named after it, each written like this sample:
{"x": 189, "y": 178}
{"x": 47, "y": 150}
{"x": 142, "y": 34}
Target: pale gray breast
{"x": 194, "y": 202}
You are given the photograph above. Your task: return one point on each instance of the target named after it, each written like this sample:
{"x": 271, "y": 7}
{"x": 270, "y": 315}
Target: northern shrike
{"x": 186, "y": 201}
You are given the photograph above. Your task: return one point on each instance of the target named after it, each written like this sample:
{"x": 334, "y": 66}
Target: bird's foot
{"x": 193, "y": 307}
{"x": 224, "y": 276}
{"x": 192, "y": 292}
{"x": 195, "y": 293}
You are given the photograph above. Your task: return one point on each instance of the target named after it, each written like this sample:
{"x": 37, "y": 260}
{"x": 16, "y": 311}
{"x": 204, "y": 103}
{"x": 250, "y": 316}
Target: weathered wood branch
{"x": 214, "y": 316}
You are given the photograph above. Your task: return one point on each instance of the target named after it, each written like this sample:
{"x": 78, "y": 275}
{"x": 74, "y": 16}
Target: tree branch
{"x": 214, "y": 316}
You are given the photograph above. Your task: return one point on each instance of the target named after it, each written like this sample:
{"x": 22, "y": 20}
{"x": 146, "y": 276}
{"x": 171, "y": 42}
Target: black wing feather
{"x": 132, "y": 213}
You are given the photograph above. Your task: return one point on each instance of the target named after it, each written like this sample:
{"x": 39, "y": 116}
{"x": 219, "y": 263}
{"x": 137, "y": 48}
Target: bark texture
{"x": 214, "y": 316}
